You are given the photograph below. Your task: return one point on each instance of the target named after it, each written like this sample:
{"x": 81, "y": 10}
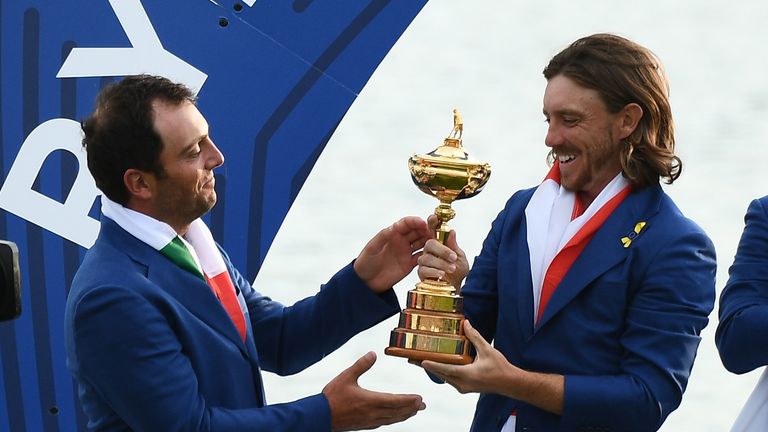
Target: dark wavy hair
{"x": 120, "y": 132}
{"x": 623, "y": 72}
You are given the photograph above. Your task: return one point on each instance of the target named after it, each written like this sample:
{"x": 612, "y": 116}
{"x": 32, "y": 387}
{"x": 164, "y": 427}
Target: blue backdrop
{"x": 274, "y": 78}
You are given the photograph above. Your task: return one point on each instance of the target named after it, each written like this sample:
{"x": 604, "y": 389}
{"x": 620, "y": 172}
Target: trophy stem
{"x": 444, "y": 213}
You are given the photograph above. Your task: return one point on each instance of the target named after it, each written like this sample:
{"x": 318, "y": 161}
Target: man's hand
{"x": 392, "y": 253}
{"x": 492, "y": 373}
{"x": 443, "y": 261}
{"x": 489, "y": 373}
{"x": 355, "y": 408}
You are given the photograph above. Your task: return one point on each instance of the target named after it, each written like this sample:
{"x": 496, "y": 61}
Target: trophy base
{"x": 435, "y": 296}
{"x": 416, "y": 355}
{"x": 424, "y": 345}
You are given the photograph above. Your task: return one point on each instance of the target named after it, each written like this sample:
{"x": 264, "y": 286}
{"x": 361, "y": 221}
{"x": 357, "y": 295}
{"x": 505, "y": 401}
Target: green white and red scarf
{"x": 196, "y": 253}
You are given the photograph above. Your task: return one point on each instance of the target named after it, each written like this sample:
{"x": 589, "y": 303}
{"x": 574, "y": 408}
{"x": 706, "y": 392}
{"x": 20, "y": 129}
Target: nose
{"x": 554, "y": 136}
{"x": 215, "y": 158}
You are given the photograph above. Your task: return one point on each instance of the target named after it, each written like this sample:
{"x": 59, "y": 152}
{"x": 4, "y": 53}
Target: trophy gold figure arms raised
{"x": 430, "y": 325}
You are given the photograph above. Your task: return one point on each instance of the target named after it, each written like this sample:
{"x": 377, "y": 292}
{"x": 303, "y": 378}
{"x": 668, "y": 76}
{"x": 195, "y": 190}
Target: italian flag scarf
{"x": 557, "y": 233}
{"x": 197, "y": 253}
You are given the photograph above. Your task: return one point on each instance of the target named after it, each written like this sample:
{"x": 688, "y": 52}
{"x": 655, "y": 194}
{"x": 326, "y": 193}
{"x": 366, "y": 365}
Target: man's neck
{"x": 585, "y": 198}
{"x": 180, "y": 228}
{"x": 579, "y": 207}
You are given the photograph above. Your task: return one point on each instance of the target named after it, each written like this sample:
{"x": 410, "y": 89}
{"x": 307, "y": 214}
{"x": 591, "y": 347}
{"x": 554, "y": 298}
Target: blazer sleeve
{"x": 128, "y": 353}
{"x": 480, "y": 291}
{"x": 292, "y": 338}
{"x": 667, "y": 312}
{"x": 743, "y": 313}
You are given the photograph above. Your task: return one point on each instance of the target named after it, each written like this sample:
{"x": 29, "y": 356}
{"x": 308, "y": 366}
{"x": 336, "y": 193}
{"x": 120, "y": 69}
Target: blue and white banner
{"x": 274, "y": 79}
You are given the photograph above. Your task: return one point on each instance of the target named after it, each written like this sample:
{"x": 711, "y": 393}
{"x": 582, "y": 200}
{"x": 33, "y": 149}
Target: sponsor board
{"x": 274, "y": 79}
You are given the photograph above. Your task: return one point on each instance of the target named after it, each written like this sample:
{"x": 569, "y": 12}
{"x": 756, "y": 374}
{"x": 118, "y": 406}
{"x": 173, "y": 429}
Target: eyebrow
{"x": 564, "y": 111}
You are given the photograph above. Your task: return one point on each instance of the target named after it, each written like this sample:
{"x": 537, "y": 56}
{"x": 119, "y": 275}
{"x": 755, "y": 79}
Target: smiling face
{"x": 185, "y": 190}
{"x": 583, "y": 135}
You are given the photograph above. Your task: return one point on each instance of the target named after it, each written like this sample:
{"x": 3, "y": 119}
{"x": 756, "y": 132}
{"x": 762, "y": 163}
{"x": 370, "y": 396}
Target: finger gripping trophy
{"x": 430, "y": 326}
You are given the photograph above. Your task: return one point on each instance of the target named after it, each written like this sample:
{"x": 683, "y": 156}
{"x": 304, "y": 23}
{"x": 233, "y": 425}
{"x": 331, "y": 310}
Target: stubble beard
{"x": 597, "y": 157}
{"x": 182, "y": 211}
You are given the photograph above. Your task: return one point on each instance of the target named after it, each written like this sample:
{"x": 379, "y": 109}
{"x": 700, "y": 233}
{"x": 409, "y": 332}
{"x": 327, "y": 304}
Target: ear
{"x": 139, "y": 184}
{"x": 628, "y": 119}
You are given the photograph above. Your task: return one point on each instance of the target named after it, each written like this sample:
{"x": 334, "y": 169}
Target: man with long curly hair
{"x": 593, "y": 286}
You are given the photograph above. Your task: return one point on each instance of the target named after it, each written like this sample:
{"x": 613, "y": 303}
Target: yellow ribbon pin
{"x": 626, "y": 241}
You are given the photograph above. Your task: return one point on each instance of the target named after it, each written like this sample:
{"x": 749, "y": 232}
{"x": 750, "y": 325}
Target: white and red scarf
{"x": 196, "y": 252}
{"x": 557, "y": 233}
{"x": 558, "y": 230}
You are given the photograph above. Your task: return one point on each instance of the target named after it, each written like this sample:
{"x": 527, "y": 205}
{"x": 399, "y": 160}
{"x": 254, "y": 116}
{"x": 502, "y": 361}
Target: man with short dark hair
{"x": 593, "y": 286}
{"x": 164, "y": 334}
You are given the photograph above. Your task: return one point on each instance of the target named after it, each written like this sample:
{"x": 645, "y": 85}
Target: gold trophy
{"x": 430, "y": 325}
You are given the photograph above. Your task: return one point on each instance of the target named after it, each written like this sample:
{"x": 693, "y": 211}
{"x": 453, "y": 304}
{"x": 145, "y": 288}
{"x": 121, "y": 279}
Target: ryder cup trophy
{"x": 430, "y": 327}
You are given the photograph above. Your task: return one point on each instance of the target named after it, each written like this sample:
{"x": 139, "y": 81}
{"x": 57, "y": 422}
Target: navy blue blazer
{"x": 152, "y": 349}
{"x": 743, "y": 327}
{"x": 623, "y": 326}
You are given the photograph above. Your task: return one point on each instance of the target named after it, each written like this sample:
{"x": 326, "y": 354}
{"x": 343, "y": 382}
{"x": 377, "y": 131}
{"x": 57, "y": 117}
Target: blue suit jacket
{"x": 743, "y": 327}
{"x": 622, "y": 327}
{"x": 152, "y": 349}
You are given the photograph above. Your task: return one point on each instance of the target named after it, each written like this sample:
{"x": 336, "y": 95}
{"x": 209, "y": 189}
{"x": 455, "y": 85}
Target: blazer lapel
{"x": 605, "y": 250}
{"x": 189, "y": 290}
{"x": 196, "y": 296}
{"x": 524, "y": 283}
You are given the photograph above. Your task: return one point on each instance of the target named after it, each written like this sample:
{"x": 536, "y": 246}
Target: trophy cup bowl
{"x": 430, "y": 327}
